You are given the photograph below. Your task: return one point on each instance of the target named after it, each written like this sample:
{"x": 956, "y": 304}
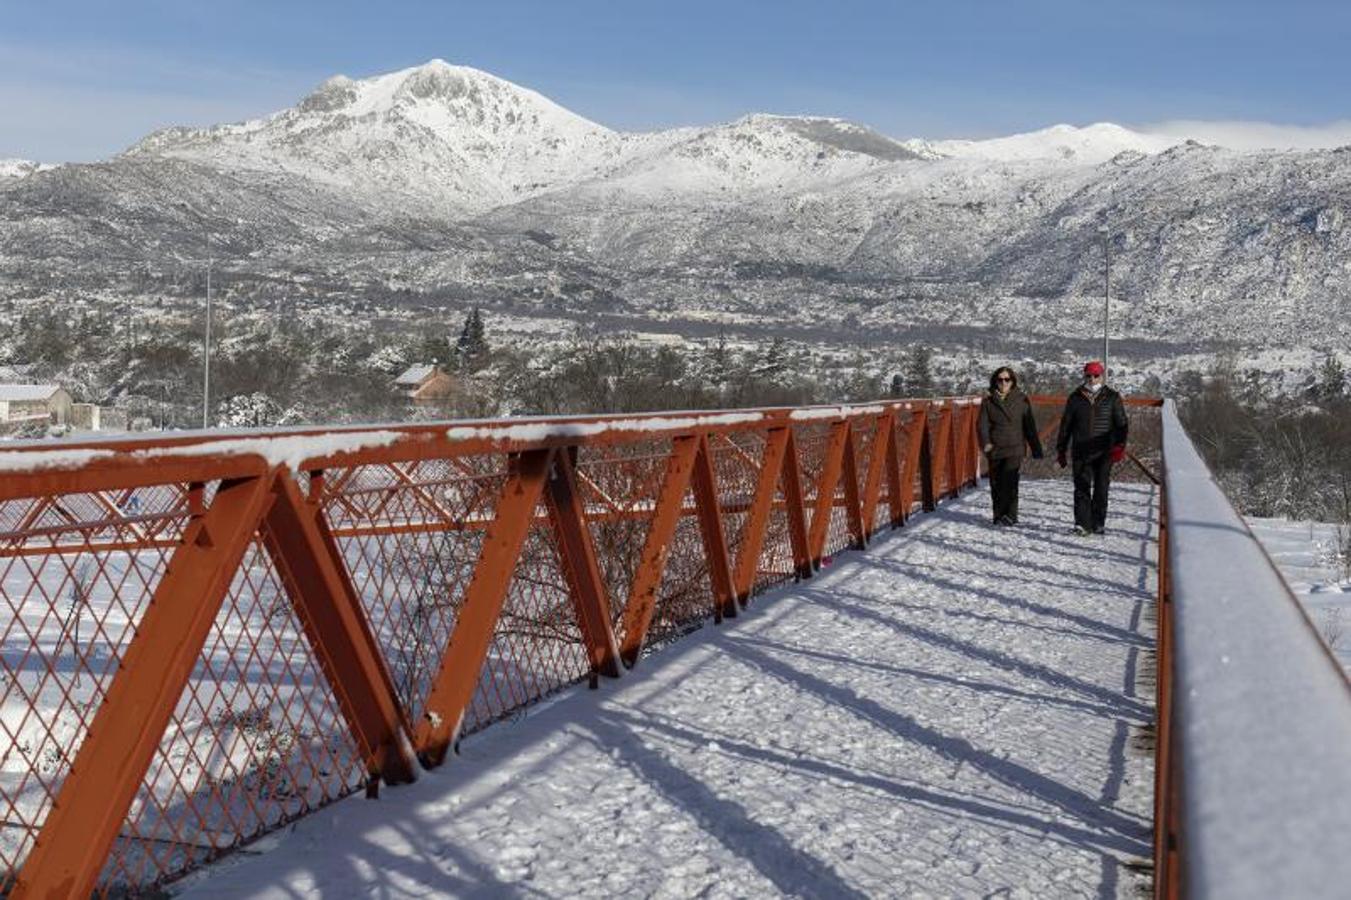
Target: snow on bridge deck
{"x": 952, "y": 713}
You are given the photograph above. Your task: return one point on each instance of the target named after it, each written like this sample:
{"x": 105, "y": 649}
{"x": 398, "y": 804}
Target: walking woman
{"x": 1006, "y": 425}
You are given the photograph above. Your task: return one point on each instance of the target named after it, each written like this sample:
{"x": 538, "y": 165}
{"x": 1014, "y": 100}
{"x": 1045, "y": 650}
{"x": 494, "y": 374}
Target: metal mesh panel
{"x": 76, "y": 572}
{"x": 410, "y": 535}
{"x": 537, "y": 645}
{"x": 619, "y": 486}
{"x": 256, "y": 741}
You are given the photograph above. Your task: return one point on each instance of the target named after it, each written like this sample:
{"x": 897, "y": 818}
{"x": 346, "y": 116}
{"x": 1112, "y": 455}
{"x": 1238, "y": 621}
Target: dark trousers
{"x": 1004, "y": 487}
{"x": 1092, "y": 476}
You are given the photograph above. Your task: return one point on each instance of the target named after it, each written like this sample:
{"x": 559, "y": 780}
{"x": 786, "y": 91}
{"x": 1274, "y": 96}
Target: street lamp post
{"x": 1106, "y": 294}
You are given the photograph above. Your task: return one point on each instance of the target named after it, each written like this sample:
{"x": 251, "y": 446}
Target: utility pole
{"x": 206, "y": 346}
{"x": 1106, "y": 295}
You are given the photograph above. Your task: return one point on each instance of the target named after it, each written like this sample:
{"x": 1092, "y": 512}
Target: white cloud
{"x": 1255, "y": 135}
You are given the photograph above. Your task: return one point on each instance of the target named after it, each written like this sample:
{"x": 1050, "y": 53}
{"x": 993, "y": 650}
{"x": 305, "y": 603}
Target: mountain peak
{"x": 1086, "y": 145}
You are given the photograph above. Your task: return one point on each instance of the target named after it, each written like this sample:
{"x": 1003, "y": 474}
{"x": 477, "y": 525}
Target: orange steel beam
{"x": 829, "y": 480}
{"x": 742, "y": 454}
{"x": 118, "y": 473}
{"x": 914, "y": 442}
{"x": 898, "y": 493}
{"x": 94, "y": 547}
{"x": 853, "y": 504}
{"x": 951, "y": 450}
{"x": 119, "y": 517}
{"x": 957, "y": 461}
{"x": 112, "y": 761}
{"x": 1167, "y": 803}
{"x": 705, "y": 484}
{"x": 334, "y": 621}
{"x": 942, "y": 441}
{"x": 877, "y": 464}
{"x": 766, "y": 487}
{"x": 965, "y": 445}
{"x": 586, "y": 586}
{"x": 642, "y": 600}
{"x": 420, "y": 493}
{"x": 928, "y": 490}
{"x": 457, "y": 675}
{"x": 605, "y": 498}
{"x": 795, "y": 506}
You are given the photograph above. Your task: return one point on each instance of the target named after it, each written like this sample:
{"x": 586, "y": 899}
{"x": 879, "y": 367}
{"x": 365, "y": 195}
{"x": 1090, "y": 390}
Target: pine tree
{"x": 918, "y": 371}
{"x": 719, "y": 371}
{"x": 1329, "y": 380}
{"x": 775, "y": 362}
{"x": 471, "y": 350}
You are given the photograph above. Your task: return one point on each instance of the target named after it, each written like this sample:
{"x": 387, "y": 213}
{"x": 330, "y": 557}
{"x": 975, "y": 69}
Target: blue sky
{"x": 82, "y": 80}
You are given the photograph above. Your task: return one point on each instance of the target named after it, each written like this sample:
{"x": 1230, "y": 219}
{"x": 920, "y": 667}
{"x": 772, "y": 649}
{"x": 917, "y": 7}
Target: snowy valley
{"x": 402, "y": 201}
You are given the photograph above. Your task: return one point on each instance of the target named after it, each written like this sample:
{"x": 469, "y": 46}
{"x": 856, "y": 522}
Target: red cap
{"x": 1093, "y": 368}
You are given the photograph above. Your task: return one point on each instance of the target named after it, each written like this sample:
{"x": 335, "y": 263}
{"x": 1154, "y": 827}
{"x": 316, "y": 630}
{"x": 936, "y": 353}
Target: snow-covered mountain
{"x": 19, "y": 168}
{"x": 445, "y": 138}
{"x": 448, "y": 181}
{"x": 1090, "y": 145}
{"x": 453, "y": 139}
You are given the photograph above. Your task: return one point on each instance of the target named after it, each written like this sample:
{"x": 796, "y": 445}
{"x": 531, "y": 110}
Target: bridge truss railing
{"x": 205, "y": 636}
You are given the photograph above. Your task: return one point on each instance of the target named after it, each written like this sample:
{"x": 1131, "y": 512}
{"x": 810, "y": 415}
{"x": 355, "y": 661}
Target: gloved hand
{"x": 1118, "y": 453}
{"x": 1060, "y": 459}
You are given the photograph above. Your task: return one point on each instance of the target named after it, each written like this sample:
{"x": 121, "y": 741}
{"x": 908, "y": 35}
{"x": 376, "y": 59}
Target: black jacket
{"x": 1092, "y": 423}
{"x": 1008, "y": 424}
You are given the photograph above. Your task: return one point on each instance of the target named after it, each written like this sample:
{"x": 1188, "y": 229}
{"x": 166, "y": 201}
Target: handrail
{"x": 208, "y": 635}
{"x": 1254, "y": 773}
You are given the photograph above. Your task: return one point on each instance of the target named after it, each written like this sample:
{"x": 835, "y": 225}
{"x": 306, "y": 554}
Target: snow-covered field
{"x": 1310, "y": 556}
{"x": 956, "y": 712}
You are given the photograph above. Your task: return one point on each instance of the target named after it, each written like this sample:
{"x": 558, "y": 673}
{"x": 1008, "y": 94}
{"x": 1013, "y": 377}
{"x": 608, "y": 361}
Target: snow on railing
{"x": 1259, "y": 803}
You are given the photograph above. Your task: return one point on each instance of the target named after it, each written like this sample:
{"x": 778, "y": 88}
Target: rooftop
{"x": 21, "y": 392}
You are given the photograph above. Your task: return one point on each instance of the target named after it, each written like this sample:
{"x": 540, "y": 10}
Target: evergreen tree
{"x": 719, "y": 365}
{"x": 775, "y": 362}
{"x": 897, "y": 388}
{"x": 1328, "y": 380}
{"x": 918, "y": 371}
{"x": 471, "y": 350}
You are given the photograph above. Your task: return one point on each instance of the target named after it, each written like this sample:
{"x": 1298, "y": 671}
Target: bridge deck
{"x": 956, "y": 712}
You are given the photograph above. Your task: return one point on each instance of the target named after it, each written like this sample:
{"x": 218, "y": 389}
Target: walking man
{"x": 1006, "y": 427}
{"x": 1093, "y": 432}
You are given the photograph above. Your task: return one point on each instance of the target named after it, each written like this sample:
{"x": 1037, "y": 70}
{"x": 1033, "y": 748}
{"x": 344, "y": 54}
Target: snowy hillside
{"x": 1091, "y": 145}
{"x": 442, "y": 180}
{"x": 18, "y": 168}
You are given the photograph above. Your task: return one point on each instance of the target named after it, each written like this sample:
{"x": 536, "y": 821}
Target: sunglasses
{"x": 1095, "y": 377}
{"x": 1003, "y": 378}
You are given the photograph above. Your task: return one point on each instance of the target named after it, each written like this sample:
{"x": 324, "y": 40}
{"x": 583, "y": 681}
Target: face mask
{"x": 1094, "y": 386}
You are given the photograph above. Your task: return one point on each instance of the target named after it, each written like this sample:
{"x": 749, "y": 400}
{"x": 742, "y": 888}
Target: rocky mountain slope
{"x": 446, "y": 182}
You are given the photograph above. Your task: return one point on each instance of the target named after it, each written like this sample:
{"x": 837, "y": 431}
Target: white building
{"x": 31, "y": 402}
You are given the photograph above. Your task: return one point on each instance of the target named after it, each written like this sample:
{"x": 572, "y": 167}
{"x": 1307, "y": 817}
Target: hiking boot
{"x": 1080, "y": 531}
